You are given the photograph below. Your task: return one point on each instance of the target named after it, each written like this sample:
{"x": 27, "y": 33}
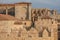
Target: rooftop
{"x": 15, "y": 3}
{"x": 7, "y": 4}
{"x": 6, "y": 17}
{"x": 24, "y": 3}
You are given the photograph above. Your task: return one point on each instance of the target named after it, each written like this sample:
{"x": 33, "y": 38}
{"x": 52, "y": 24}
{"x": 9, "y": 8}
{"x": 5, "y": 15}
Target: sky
{"x": 51, "y": 4}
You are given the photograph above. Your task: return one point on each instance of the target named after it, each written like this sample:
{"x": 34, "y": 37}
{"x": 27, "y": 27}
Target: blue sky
{"x": 52, "y": 4}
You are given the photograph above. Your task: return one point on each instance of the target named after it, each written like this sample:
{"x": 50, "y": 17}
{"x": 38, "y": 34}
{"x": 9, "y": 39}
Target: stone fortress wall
{"x": 32, "y": 23}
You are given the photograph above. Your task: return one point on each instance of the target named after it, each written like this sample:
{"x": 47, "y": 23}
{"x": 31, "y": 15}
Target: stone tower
{"x": 23, "y": 10}
{"x": 54, "y": 12}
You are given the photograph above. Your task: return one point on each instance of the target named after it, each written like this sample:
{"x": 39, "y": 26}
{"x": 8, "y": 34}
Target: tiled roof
{"x": 6, "y": 17}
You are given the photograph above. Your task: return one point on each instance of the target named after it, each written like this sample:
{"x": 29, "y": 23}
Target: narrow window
{"x": 40, "y": 34}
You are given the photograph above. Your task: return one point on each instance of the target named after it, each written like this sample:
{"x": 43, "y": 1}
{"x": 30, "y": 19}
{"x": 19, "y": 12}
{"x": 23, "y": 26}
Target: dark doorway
{"x": 58, "y": 38}
{"x": 11, "y": 11}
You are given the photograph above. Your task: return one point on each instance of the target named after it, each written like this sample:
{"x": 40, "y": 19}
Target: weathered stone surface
{"x": 45, "y": 23}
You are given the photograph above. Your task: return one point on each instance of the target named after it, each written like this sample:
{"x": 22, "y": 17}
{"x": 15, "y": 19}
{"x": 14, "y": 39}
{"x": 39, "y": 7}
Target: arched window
{"x": 41, "y": 32}
{"x": 49, "y": 32}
